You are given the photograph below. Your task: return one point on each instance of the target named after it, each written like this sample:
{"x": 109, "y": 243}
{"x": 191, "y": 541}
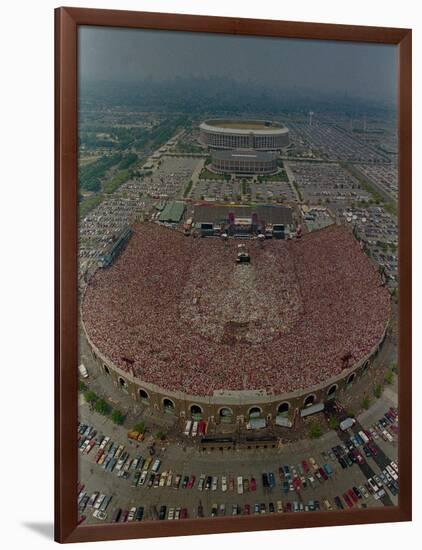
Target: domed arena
{"x": 182, "y": 315}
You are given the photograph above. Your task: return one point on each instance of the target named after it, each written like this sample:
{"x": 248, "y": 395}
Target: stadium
{"x": 260, "y": 135}
{"x": 178, "y": 324}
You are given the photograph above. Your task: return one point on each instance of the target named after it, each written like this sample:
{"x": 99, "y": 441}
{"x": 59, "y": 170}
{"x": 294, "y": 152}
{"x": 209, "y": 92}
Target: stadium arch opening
{"x": 351, "y": 379}
{"x": 196, "y": 411}
{"x": 225, "y": 414}
{"x": 123, "y": 384}
{"x": 143, "y": 394}
{"x": 332, "y": 390}
{"x": 283, "y": 408}
{"x": 255, "y": 412}
{"x": 309, "y": 400}
{"x": 168, "y": 405}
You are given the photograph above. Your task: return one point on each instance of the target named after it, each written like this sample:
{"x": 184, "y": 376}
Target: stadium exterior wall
{"x": 273, "y": 138}
{"x": 240, "y": 403}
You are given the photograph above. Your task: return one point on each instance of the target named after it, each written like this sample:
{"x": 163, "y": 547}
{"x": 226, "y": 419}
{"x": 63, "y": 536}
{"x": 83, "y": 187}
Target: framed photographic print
{"x": 233, "y": 275}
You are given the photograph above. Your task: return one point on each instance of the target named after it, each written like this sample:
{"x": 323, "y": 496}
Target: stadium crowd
{"x": 180, "y": 313}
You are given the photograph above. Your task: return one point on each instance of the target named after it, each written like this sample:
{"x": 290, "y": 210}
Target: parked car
{"x": 132, "y": 514}
{"x": 83, "y": 371}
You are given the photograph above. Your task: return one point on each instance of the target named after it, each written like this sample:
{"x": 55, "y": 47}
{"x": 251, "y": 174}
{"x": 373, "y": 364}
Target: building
{"x": 172, "y": 212}
{"x": 244, "y": 161}
{"x": 262, "y": 135}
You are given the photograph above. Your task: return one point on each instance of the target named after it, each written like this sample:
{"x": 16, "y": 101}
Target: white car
{"x": 194, "y": 429}
{"x": 392, "y": 472}
{"x": 240, "y": 485}
{"x": 104, "y": 442}
{"x": 279, "y": 506}
{"x": 224, "y": 484}
{"x": 99, "y": 515}
{"x": 201, "y": 482}
{"x": 143, "y": 478}
{"x": 387, "y": 436}
{"x": 169, "y": 479}
{"x": 82, "y": 371}
{"x": 99, "y": 501}
{"x": 171, "y": 514}
{"x": 363, "y": 490}
{"x": 132, "y": 513}
{"x": 177, "y": 513}
{"x": 394, "y": 466}
{"x": 214, "y": 483}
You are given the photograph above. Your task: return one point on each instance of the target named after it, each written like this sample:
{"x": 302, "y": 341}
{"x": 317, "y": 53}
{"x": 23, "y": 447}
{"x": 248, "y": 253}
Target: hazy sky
{"x": 363, "y": 70}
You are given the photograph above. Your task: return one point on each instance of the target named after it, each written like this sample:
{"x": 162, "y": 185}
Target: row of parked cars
{"x": 113, "y": 457}
{"x": 97, "y": 503}
{"x": 387, "y": 427}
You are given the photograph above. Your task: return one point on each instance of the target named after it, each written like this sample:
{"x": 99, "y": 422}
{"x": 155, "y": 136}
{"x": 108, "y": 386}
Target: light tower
{"x": 311, "y": 116}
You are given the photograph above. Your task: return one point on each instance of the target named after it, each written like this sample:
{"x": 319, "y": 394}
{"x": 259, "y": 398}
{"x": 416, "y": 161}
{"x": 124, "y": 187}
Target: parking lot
{"x": 304, "y": 476}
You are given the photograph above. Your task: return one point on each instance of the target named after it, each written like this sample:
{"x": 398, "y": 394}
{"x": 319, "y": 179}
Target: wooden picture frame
{"x": 67, "y": 21}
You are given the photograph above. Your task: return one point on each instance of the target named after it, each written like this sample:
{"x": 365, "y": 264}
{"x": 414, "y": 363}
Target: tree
{"x": 81, "y": 385}
{"x": 378, "y": 391}
{"x": 90, "y": 396}
{"x": 366, "y": 402}
{"x": 333, "y": 423}
{"x": 117, "y": 417}
{"x": 315, "y": 430}
{"x": 140, "y": 427}
{"x": 102, "y": 407}
{"x": 160, "y": 435}
{"x": 389, "y": 377}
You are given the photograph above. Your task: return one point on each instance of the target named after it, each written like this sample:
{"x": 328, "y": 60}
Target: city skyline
{"x": 291, "y": 65}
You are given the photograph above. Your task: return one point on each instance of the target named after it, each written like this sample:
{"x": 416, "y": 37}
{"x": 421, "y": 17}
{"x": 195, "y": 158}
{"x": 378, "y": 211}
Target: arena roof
{"x": 216, "y": 213}
{"x": 179, "y": 313}
{"x": 243, "y": 127}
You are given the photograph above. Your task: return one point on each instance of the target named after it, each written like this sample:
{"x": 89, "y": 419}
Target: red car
{"x": 231, "y": 484}
{"x": 372, "y": 448}
{"x": 347, "y": 500}
{"x": 368, "y": 434}
{"x": 124, "y": 515}
{"x": 183, "y": 513}
{"x": 288, "y": 507}
{"x": 252, "y": 484}
{"x": 323, "y": 474}
{"x": 305, "y": 466}
{"x": 81, "y": 519}
{"x": 352, "y": 495}
{"x": 297, "y": 484}
{"x": 191, "y": 482}
{"x": 359, "y": 458}
{"x": 247, "y": 509}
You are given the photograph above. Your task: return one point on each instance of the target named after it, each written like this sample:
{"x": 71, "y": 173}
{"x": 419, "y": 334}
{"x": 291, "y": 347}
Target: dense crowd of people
{"x": 181, "y": 313}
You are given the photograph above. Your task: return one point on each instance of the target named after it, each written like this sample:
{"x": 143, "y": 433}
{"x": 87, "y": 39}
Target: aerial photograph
{"x": 237, "y": 276}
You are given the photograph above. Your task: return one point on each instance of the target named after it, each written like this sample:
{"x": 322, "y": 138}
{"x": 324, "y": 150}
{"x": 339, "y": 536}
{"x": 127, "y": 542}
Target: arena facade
{"x": 260, "y": 135}
{"x": 166, "y": 330}
{"x": 244, "y": 161}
